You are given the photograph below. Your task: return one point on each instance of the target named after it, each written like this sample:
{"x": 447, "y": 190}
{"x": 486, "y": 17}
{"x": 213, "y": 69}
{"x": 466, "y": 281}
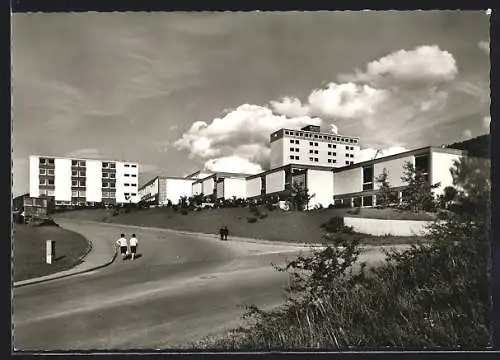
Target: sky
{"x": 180, "y": 92}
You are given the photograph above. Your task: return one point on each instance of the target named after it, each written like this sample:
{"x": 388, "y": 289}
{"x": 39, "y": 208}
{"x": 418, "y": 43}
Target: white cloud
{"x": 243, "y": 132}
{"x": 467, "y": 133}
{"x": 371, "y": 153}
{"x": 347, "y": 100}
{"x": 424, "y": 63}
{"x": 485, "y": 46}
{"x": 233, "y": 164}
{"x": 85, "y": 154}
{"x": 487, "y": 121}
{"x": 289, "y": 106}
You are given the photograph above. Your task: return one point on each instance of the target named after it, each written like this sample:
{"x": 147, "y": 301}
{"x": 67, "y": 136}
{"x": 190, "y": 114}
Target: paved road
{"x": 184, "y": 287}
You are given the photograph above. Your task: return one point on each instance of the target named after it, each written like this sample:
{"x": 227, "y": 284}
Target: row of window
{"x": 80, "y": 163}
{"x": 46, "y": 171}
{"x": 45, "y": 161}
{"x": 324, "y": 137}
{"x": 46, "y": 181}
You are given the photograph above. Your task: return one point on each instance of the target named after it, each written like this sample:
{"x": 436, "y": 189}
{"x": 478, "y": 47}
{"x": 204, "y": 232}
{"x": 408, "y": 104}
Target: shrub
{"x": 252, "y": 220}
{"x": 184, "y": 211}
{"x": 335, "y": 224}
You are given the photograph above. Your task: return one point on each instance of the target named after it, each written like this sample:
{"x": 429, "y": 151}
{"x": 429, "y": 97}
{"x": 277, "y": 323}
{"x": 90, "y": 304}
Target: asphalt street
{"x": 181, "y": 289}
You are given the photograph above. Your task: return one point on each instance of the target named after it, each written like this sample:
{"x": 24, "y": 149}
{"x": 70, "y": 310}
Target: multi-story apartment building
{"x": 73, "y": 181}
{"x": 162, "y": 189}
{"x": 310, "y": 146}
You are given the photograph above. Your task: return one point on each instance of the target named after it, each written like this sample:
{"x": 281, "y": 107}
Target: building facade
{"x": 72, "y": 181}
{"x": 164, "y": 189}
{"x": 355, "y": 184}
{"x": 310, "y": 146}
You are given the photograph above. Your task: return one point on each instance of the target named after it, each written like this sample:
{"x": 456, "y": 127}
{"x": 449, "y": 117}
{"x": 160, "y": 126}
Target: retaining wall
{"x": 380, "y": 227}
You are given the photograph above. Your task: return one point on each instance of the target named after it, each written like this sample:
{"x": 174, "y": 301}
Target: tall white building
{"x": 73, "y": 181}
{"x": 310, "y": 146}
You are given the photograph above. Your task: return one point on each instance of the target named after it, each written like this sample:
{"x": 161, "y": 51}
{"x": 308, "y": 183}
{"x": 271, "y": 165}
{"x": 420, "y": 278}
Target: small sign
{"x": 50, "y": 251}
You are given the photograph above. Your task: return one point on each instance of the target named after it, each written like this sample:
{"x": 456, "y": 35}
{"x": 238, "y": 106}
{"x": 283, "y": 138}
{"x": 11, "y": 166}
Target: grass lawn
{"x": 292, "y": 226}
{"x": 29, "y": 250}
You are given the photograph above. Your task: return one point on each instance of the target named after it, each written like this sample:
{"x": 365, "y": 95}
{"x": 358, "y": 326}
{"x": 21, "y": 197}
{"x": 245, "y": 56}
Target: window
{"x": 329, "y": 145}
{"x": 347, "y": 147}
{"x": 112, "y": 175}
{"x": 50, "y": 192}
{"x": 42, "y": 161}
{"x": 311, "y": 159}
{"x": 105, "y": 184}
{"x": 352, "y": 155}
{"x": 42, "y": 171}
{"x": 422, "y": 166}
{"x": 127, "y": 175}
{"x": 292, "y": 141}
{"x": 112, "y": 165}
{"x": 42, "y": 181}
{"x": 347, "y": 162}
{"x": 133, "y": 185}
{"x": 51, "y": 181}
{"x": 329, "y": 153}
{"x": 82, "y": 163}
{"x": 127, "y": 165}
{"x": 105, "y": 165}
{"x": 105, "y": 175}
{"x": 311, "y": 143}
{"x": 81, "y": 194}
{"x": 74, "y": 173}
{"x": 315, "y": 151}
{"x": 334, "y": 146}
{"x": 82, "y": 173}
{"x": 135, "y": 175}
{"x": 74, "y": 193}
{"x": 297, "y": 141}
{"x": 315, "y": 136}
{"x": 50, "y": 171}
{"x": 74, "y": 163}
{"x": 286, "y": 133}
{"x": 334, "y": 161}
{"x": 126, "y": 184}
{"x": 296, "y": 158}
{"x": 367, "y": 200}
{"x": 329, "y": 160}
{"x": 311, "y": 151}
{"x": 127, "y": 194}
{"x": 292, "y": 157}
{"x": 105, "y": 194}
{"x": 292, "y": 149}
{"x": 51, "y": 161}
{"x": 368, "y": 177}
{"x": 315, "y": 144}
{"x": 82, "y": 182}
{"x": 133, "y": 194}
{"x": 112, "y": 185}
{"x": 334, "y": 154}
{"x": 74, "y": 183}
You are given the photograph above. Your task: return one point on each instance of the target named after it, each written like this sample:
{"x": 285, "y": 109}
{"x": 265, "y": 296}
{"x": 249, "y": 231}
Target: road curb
{"x": 60, "y": 275}
{"x": 27, "y": 282}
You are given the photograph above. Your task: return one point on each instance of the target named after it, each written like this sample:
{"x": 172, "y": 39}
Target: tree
{"x": 471, "y": 177}
{"x": 419, "y": 192}
{"x": 299, "y": 197}
{"x": 385, "y": 194}
{"x": 448, "y": 196}
{"x": 183, "y": 202}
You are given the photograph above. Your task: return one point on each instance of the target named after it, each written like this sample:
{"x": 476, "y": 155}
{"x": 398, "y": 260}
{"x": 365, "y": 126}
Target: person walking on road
{"x": 221, "y": 232}
{"x": 122, "y": 243}
{"x": 133, "y": 246}
{"x": 226, "y": 233}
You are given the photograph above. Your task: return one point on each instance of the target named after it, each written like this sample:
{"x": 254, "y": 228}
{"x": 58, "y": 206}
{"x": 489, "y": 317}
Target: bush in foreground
{"x": 432, "y": 296}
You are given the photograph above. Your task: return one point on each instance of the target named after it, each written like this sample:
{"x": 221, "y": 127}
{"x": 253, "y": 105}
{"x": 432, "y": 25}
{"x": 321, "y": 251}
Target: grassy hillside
{"x": 303, "y": 227}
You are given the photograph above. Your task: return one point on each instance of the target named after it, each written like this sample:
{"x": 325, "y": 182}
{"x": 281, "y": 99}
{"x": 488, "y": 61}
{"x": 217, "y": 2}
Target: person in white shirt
{"x": 133, "y": 246}
{"x": 122, "y": 243}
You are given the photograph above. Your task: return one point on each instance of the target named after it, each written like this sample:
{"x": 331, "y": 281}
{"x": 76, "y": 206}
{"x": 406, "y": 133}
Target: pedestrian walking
{"x": 226, "y": 232}
{"x": 221, "y": 232}
{"x": 133, "y": 245}
{"x": 122, "y": 243}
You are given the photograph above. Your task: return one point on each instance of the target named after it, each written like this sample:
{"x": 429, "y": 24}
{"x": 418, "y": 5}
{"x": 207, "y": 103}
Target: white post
{"x": 49, "y": 251}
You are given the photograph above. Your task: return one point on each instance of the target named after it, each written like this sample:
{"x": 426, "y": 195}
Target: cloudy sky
{"x": 179, "y": 92}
